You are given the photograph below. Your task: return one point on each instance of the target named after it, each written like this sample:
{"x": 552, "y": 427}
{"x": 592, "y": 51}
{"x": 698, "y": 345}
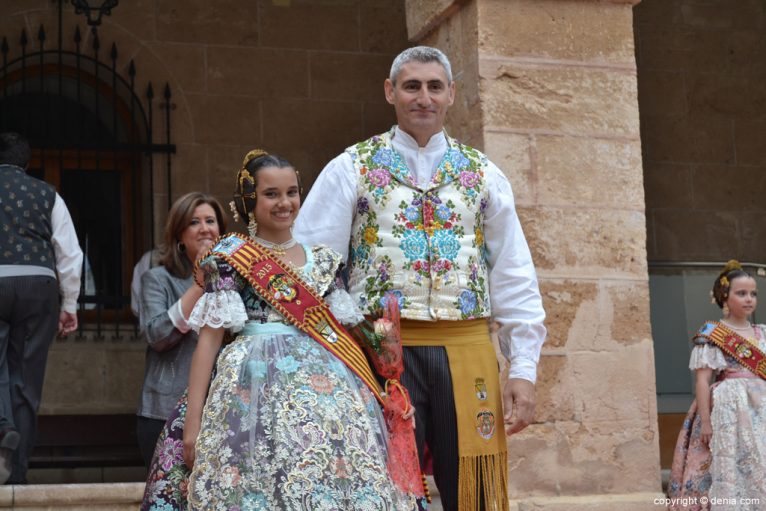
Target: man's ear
{"x": 388, "y": 88}
{"x": 452, "y": 91}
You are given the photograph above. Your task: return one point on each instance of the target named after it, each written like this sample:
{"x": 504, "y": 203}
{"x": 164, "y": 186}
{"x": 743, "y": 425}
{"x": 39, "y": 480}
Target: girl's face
{"x": 277, "y": 202}
{"x": 202, "y": 230}
{"x": 743, "y": 297}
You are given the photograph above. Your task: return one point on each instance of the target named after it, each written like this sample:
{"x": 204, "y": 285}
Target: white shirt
{"x": 328, "y": 212}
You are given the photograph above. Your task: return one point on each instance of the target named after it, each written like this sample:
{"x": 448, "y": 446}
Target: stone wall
{"x": 556, "y": 108}
{"x": 703, "y": 115}
{"x": 302, "y": 78}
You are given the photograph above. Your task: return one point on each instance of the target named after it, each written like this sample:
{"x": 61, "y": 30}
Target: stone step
{"x": 72, "y": 497}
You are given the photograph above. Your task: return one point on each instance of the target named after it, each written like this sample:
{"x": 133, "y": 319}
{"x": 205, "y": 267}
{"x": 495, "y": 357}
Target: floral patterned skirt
{"x": 287, "y": 426}
{"x": 168, "y": 479}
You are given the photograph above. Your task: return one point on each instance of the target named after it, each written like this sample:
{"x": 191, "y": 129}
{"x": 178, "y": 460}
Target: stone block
{"x": 729, "y": 188}
{"x": 75, "y": 378}
{"x": 570, "y": 458}
{"x": 553, "y": 390}
{"x": 383, "y": 26}
{"x": 668, "y": 185}
{"x": 311, "y": 133}
{"x": 513, "y": 155}
{"x": 561, "y": 100}
{"x": 565, "y": 301}
{"x": 135, "y": 17}
{"x": 609, "y": 397}
{"x": 262, "y": 72}
{"x": 666, "y": 48}
{"x": 586, "y": 242}
{"x": 658, "y": 13}
{"x": 662, "y": 93}
{"x": 639, "y": 501}
{"x": 458, "y": 38}
{"x": 752, "y": 242}
{"x": 424, "y": 15}
{"x": 551, "y": 29}
{"x": 627, "y": 312}
{"x": 326, "y": 25}
{"x": 185, "y": 63}
{"x": 348, "y": 76}
{"x": 225, "y": 119}
{"x": 687, "y": 139}
{"x": 585, "y": 171}
{"x": 190, "y": 170}
{"x": 378, "y": 116}
{"x": 124, "y": 377}
{"x": 231, "y": 22}
{"x": 723, "y": 15}
{"x": 721, "y": 96}
{"x": 748, "y": 138}
{"x": 697, "y": 234}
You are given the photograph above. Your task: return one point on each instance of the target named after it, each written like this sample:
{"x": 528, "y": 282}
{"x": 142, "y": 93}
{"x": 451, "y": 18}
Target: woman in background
{"x": 168, "y": 295}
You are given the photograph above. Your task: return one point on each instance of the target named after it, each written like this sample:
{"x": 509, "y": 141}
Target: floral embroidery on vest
{"x": 426, "y": 246}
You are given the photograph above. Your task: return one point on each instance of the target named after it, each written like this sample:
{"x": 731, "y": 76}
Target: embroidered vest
{"x": 26, "y": 205}
{"x": 424, "y": 245}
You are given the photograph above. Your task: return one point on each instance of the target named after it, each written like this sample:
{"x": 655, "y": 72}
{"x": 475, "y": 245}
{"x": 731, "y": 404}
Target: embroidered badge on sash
{"x": 326, "y": 331}
{"x": 481, "y": 389}
{"x": 485, "y": 423}
{"x": 283, "y": 287}
{"x": 229, "y": 245}
{"x": 743, "y": 351}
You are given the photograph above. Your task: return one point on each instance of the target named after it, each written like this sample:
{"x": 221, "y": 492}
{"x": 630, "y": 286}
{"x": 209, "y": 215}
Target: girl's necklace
{"x": 279, "y": 249}
{"x": 740, "y": 328}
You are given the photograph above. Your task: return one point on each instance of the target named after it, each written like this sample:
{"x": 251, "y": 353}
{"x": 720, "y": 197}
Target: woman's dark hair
{"x": 247, "y": 180}
{"x": 172, "y": 254}
{"x": 732, "y": 270}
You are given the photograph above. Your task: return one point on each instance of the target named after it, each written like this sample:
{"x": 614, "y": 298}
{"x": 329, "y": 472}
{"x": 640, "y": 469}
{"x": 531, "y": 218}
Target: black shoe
{"x": 9, "y": 442}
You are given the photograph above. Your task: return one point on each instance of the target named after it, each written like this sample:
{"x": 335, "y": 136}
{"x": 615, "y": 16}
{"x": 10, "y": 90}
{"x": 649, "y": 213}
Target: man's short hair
{"x": 14, "y": 150}
{"x": 422, "y": 54}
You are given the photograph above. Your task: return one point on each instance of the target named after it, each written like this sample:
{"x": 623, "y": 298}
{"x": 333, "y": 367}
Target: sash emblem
{"x": 283, "y": 287}
{"x": 481, "y": 389}
{"x": 485, "y": 423}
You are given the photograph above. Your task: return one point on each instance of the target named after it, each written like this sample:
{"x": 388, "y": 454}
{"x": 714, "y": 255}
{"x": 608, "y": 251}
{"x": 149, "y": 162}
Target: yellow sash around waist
{"x": 482, "y": 448}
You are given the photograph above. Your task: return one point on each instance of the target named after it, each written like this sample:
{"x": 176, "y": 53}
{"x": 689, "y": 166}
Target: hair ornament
{"x": 234, "y": 213}
{"x": 724, "y": 281}
{"x": 251, "y": 155}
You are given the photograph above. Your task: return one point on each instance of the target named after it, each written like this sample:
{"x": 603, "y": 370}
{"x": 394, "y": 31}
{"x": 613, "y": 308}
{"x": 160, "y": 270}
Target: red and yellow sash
{"x": 286, "y": 292}
{"x": 733, "y": 344}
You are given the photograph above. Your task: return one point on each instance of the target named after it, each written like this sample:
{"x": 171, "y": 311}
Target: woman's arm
{"x": 158, "y": 296}
{"x": 702, "y": 390}
{"x": 199, "y": 380}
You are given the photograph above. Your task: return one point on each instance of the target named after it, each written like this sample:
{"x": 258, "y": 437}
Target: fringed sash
{"x": 285, "y": 291}
{"x": 482, "y": 448}
{"x": 733, "y": 344}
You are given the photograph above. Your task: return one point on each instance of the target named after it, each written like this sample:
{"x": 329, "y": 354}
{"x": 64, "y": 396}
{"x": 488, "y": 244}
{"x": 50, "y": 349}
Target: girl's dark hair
{"x": 732, "y": 270}
{"x": 247, "y": 180}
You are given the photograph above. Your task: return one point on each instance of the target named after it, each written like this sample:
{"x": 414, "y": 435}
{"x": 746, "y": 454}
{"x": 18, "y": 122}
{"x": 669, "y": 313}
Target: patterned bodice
{"x": 319, "y": 273}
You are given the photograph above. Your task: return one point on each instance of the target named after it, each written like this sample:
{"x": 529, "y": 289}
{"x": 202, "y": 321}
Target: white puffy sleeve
{"x": 221, "y": 306}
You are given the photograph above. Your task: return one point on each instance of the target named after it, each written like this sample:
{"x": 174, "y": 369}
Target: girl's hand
{"x": 706, "y": 433}
{"x": 191, "y": 431}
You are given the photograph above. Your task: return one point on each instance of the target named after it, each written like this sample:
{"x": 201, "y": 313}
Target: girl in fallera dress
{"x": 284, "y": 423}
{"x": 720, "y": 457}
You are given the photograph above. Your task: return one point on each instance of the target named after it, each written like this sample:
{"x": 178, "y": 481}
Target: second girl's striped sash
{"x": 733, "y": 344}
{"x": 285, "y": 291}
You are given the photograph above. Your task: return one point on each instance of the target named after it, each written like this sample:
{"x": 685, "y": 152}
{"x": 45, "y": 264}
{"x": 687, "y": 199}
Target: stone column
{"x": 547, "y": 88}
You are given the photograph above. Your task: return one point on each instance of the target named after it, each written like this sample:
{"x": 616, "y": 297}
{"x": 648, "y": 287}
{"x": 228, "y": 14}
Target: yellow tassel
{"x": 486, "y": 476}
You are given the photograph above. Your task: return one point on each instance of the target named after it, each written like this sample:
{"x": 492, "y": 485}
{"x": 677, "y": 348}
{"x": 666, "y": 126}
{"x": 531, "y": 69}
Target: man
{"x": 38, "y": 246}
{"x": 434, "y": 222}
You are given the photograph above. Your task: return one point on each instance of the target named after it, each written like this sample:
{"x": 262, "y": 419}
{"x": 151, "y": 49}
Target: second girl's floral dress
{"x": 286, "y": 425}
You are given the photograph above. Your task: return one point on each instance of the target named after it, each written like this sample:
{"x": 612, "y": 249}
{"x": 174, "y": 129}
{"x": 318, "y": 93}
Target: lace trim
{"x": 219, "y": 309}
{"x": 343, "y": 307}
{"x": 707, "y": 356}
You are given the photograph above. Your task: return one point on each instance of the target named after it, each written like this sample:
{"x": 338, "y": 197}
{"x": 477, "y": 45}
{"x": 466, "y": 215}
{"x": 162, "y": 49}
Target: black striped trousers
{"x": 428, "y": 380}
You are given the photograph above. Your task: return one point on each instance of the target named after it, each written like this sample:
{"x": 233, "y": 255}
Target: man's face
{"x": 421, "y": 97}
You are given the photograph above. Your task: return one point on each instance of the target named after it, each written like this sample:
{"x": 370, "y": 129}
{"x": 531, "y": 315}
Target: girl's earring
{"x": 725, "y": 310}
{"x": 252, "y": 227}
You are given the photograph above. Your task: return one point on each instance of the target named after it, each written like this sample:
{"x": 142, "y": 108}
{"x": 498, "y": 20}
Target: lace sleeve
{"x": 221, "y": 306}
{"x": 707, "y": 356}
{"x": 343, "y": 307}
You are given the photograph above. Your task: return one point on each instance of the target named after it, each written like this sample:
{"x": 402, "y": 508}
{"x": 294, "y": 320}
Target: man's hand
{"x": 67, "y": 322}
{"x": 519, "y": 403}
